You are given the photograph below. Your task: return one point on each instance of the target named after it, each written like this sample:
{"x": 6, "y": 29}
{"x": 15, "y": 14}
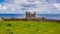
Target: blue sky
{"x": 21, "y": 6}
{"x": 1, "y": 1}
{"x": 58, "y": 1}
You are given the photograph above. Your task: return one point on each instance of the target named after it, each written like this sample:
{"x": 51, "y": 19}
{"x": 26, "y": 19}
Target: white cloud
{"x": 0, "y": 6}
{"x": 4, "y": 7}
{"x": 57, "y": 6}
{"x": 37, "y": 5}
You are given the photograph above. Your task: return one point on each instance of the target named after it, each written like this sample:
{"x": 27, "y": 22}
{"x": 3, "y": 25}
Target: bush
{"x": 9, "y": 25}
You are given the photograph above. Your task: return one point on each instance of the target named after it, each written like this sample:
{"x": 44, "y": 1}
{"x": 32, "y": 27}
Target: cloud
{"x": 57, "y": 6}
{"x": 16, "y": 6}
{"x": 51, "y": 1}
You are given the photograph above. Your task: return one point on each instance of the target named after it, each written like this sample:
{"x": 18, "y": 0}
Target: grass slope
{"x": 29, "y": 27}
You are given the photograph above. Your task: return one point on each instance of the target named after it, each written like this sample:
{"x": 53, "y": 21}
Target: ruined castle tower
{"x": 29, "y": 15}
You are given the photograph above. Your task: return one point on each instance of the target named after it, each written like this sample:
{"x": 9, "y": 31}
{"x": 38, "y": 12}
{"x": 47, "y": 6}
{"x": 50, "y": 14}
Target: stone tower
{"x": 29, "y": 15}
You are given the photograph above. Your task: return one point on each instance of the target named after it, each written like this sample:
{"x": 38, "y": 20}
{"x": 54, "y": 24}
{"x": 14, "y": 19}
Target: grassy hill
{"x": 29, "y": 27}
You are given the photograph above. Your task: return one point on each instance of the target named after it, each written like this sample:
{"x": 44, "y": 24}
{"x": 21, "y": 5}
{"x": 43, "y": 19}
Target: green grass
{"x": 29, "y": 27}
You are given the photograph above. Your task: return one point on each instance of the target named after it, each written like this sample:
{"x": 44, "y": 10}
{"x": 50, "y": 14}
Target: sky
{"x": 1, "y": 1}
{"x": 21, "y": 6}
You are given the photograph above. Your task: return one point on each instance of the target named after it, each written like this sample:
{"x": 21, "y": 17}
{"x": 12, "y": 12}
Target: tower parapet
{"x": 29, "y": 15}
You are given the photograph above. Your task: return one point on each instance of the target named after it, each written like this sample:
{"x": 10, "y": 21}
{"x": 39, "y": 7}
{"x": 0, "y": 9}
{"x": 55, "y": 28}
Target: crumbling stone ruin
{"x": 29, "y": 15}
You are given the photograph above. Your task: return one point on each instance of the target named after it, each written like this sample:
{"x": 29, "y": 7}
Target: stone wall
{"x": 29, "y": 15}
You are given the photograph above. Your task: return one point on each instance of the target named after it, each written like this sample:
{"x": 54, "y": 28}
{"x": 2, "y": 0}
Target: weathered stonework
{"x": 29, "y": 15}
